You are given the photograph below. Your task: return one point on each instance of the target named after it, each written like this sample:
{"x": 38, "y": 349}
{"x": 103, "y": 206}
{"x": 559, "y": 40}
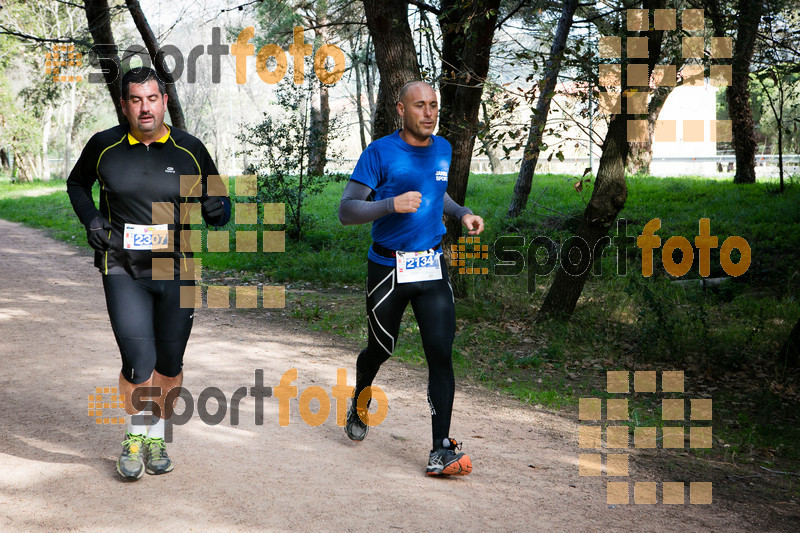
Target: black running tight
{"x": 434, "y": 309}
{"x": 149, "y": 323}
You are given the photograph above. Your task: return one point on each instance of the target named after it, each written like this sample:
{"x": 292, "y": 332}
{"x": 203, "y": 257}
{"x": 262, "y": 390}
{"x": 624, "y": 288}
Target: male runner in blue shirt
{"x": 405, "y": 175}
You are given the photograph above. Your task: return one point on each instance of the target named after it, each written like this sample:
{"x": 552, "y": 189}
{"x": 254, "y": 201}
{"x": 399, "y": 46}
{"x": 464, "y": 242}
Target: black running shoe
{"x": 356, "y": 425}
{"x": 446, "y": 462}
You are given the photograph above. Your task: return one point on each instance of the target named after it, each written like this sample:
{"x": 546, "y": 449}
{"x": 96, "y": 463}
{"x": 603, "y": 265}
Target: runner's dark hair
{"x": 140, "y": 75}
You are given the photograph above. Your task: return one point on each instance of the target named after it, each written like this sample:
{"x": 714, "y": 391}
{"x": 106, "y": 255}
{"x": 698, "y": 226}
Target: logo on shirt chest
{"x": 170, "y": 170}
{"x": 441, "y": 175}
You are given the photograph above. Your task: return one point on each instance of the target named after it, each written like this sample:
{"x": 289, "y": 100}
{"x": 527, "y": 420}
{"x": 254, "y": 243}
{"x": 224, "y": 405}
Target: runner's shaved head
{"x": 410, "y": 85}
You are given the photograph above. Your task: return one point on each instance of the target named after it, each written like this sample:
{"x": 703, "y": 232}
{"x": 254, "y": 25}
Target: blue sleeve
{"x": 368, "y": 168}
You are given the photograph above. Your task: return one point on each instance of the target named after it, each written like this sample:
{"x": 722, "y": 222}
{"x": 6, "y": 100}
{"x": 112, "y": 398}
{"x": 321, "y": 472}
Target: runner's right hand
{"x": 98, "y": 233}
{"x": 408, "y": 202}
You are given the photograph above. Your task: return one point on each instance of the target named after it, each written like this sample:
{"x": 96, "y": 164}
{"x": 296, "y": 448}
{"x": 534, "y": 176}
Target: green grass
{"x": 724, "y": 339}
{"x": 50, "y": 210}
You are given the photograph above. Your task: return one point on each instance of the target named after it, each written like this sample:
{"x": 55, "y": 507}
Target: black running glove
{"x": 98, "y": 234}
{"x": 214, "y": 211}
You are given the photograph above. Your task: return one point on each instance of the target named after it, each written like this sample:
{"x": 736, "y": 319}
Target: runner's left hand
{"x": 213, "y": 209}
{"x": 474, "y": 223}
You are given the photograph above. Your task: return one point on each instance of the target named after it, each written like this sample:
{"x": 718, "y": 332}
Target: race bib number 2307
{"x": 142, "y": 237}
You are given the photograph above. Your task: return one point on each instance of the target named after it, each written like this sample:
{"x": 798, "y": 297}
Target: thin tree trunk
{"x": 491, "y": 151}
{"x": 46, "y": 126}
{"x": 69, "y": 128}
{"x": 522, "y": 188}
{"x": 318, "y": 133}
{"x": 359, "y": 104}
{"x": 99, "y": 20}
{"x": 320, "y": 116}
{"x": 369, "y": 75}
{"x": 780, "y": 152}
{"x": 780, "y": 133}
{"x": 608, "y": 196}
{"x": 150, "y": 41}
{"x": 396, "y": 56}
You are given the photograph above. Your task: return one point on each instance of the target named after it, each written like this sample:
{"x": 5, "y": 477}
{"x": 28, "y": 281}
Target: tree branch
{"x": 7, "y": 31}
{"x": 66, "y": 3}
{"x": 240, "y": 7}
{"x": 511, "y": 13}
{"x": 150, "y": 41}
{"x": 425, "y": 7}
{"x": 343, "y": 23}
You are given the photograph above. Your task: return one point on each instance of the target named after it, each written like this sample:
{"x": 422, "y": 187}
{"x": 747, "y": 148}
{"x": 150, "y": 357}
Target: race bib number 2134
{"x": 418, "y": 266}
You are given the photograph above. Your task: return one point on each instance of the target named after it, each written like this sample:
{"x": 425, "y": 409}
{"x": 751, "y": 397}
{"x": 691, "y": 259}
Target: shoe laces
{"x": 133, "y": 444}
{"x": 454, "y": 444}
{"x": 156, "y": 447}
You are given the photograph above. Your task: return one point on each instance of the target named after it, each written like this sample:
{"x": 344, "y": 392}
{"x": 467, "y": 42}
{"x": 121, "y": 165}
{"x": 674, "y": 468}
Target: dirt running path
{"x": 57, "y": 466}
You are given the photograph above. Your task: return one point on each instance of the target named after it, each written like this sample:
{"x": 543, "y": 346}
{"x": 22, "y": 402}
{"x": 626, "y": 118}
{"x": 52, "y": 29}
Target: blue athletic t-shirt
{"x": 390, "y": 167}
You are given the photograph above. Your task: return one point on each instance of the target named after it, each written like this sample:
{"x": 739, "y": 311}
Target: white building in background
{"x": 688, "y": 155}
{"x": 692, "y": 152}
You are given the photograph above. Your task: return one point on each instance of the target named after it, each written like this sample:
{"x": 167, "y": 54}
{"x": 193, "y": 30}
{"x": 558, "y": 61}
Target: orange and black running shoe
{"x": 446, "y": 462}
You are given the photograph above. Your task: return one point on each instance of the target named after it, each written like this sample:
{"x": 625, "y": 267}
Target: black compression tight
{"x": 434, "y": 309}
{"x": 149, "y": 324}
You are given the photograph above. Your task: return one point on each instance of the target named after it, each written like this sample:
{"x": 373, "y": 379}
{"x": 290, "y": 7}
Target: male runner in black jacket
{"x": 144, "y": 263}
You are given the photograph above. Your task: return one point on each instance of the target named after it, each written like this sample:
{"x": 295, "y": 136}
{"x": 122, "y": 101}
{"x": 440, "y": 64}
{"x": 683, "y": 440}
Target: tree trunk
{"x": 46, "y": 126}
{"x": 640, "y": 155}
{"x": 780, "y": 148}
{"x": 4, "y": 162}
{"x": 491, "y": 151}
{"x": 522, "y": 188}
{"x": 26, "y": 167}
{"x": 396, "y": 56}
{"x": 790, "y": 352}
{"x": 369, "y": 75}
{"x": 318, "y": 134}
{"x": 157, "y": 56}
{"x": 748, "y": 17}
{"x": 467, "y": 32}
{"x": 359, "y": 95}
{"x": 320, "y": 114}
{"x": 608, "y": 197}
{"x": 69, "y": 128}
{"x": 99, "y": 19}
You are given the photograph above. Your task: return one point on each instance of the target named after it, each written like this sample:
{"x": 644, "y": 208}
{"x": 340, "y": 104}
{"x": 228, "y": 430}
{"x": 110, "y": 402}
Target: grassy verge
{"x": 725, "y": 338}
